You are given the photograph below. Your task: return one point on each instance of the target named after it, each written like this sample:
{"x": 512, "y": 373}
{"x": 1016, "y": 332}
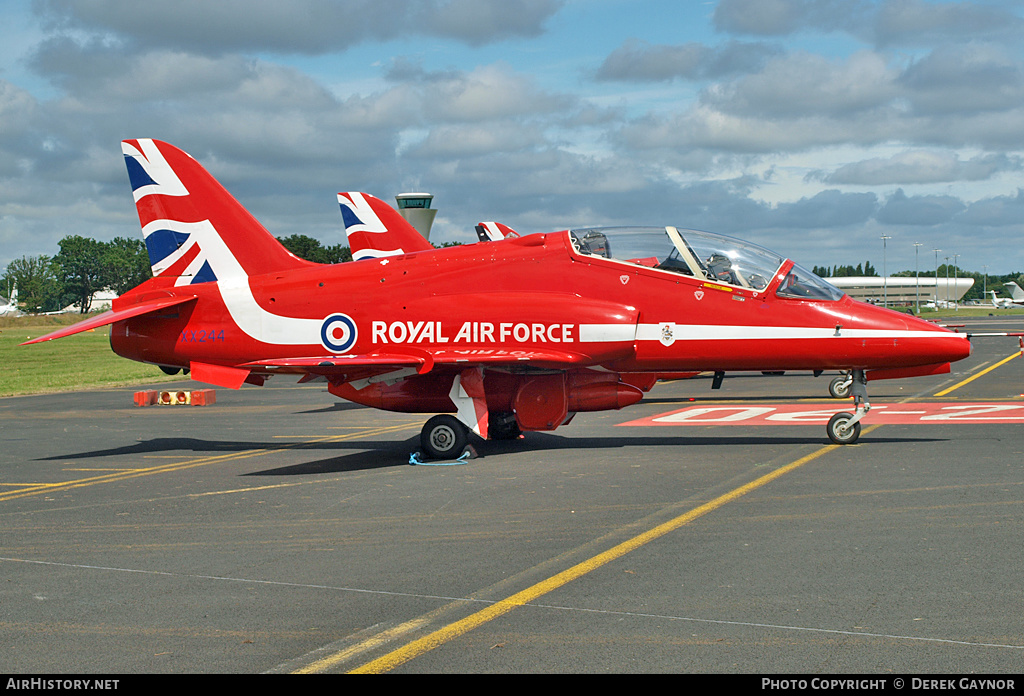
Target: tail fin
{"x": 375, "y": 229}
{"x": 494, "y": 231}
{"x": 1015, "y": 291}
{"x": 194, "y": 229}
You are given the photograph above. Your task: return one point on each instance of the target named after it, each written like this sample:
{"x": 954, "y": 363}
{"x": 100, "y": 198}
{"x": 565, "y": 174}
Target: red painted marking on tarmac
{"x": 796, "y": 414}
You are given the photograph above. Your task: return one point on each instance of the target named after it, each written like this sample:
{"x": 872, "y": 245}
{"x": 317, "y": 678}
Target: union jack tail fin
{"x": 494, "y": 231}
{"x": 375, "y": 229}
{"x": 195, "y": 230}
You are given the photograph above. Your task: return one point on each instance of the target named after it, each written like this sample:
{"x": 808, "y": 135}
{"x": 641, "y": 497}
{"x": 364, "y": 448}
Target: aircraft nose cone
{"x": 943, "y": 345}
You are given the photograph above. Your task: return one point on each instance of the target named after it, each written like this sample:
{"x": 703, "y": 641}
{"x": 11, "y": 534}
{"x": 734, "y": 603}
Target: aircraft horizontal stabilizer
{"x": 112, "y": 316}
{"x": 221, "y": 376}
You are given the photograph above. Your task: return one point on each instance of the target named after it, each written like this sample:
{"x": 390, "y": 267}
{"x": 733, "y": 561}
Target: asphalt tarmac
{"x": 282, "y": 531}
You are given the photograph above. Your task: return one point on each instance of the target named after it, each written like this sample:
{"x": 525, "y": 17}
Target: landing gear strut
{"x": 844, "y": 428}
{"x": 502, "y": 426}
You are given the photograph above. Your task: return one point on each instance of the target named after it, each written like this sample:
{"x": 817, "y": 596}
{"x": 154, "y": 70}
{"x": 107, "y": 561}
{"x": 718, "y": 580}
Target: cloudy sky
{"x": 812, "y": 127}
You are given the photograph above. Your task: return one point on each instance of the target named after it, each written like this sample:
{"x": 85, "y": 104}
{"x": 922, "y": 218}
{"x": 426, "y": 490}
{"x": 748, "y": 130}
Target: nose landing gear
{"x": 844, "y": 428}
{"x": 839, "y": 387}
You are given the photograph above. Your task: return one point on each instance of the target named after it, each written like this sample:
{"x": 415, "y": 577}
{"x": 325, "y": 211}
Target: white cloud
{"x": 921, "y": 167}
{"x": 298, "y": 26}
{"x": 637, "y": 60}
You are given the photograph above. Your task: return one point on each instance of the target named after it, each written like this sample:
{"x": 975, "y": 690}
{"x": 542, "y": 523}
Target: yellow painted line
{"x": 124, "y": 474}
{"x": 103, "y": 468}
{"x": 443, "y": 635}
{"x": 246, "y": 490}
{"x": 33, "y": 485}
{"x": 369, "y": 644}
{"x": 127, "y": 474}
{"x": 976, "y": 376}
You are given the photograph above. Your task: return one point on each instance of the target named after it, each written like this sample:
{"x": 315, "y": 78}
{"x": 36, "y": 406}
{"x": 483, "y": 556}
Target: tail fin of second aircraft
{"x": 195, "y": 230}
{"x": 494, "y": 232}
{"x": 375, "y": 229}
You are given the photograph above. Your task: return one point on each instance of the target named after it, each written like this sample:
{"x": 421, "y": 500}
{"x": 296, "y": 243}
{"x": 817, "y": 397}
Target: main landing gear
{"x": 839, "y": 387}
{"x": 444, "y": 437}
{"x": 844, "y": 428}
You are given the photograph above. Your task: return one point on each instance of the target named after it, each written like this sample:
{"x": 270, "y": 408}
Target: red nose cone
{"x": 892, "y": 339}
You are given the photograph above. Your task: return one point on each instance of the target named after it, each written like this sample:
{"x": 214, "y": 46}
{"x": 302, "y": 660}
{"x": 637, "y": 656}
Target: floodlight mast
{"x": 917, "y": 278}
{"x": 885, "y": 285}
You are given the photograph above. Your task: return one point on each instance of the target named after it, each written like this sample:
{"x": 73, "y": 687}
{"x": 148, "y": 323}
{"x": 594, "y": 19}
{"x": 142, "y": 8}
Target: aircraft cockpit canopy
{"x": 704, "y": 255}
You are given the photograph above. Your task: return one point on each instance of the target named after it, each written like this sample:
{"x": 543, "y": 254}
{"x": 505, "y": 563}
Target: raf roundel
{"x": 338, "y": 333}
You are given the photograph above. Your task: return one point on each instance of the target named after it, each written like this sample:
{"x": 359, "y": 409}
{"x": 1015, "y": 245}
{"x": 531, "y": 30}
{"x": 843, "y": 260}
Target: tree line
{"x": 861, "y": 270}
{"x": 84, "y": 266}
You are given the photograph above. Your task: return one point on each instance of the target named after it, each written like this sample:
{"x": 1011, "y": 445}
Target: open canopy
{"x": 703, "y": 255}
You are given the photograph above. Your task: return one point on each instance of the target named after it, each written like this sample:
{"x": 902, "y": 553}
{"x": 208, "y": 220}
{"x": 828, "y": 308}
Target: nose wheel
{"x": 844, "y": 427}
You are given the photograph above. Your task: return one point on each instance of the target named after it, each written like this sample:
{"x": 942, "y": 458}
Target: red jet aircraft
{"x": 516, "y": 334}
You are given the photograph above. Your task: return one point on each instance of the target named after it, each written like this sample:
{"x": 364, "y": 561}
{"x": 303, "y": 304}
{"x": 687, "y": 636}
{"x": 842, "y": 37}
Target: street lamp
{"x": 885, "y": 279}
{"x": 956, "y": 273}
{"x": 917, "y": 277}
{"x": 947, "y": 280}
{"x": 936, "y": 278}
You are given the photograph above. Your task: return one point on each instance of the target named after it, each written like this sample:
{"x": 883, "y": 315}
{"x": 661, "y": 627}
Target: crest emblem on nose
{"x": 667, "y": 331}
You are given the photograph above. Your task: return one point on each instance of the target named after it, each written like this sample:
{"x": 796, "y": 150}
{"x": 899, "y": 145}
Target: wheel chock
{"x": 196, "y": 397}
{"x": 417, "y": 458}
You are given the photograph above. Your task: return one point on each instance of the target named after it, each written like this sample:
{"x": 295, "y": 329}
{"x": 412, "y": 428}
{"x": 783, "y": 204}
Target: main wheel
{"x": 839, "y": 388}
{"x": 840, "y": 431}
{"x": 444, "y": 437}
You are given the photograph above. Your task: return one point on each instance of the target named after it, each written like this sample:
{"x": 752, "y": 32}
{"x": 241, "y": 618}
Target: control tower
{"x": 415, "y": 208}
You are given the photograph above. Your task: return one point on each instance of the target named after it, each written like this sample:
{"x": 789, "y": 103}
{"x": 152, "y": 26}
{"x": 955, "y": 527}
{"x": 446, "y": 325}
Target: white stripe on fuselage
{"x": 617, "y": 333}
{"x": 233, "y": 284}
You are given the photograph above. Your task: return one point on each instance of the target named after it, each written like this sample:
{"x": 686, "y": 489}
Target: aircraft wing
{"x": 421, "y": 360}
{"x": 113, "y": 315}
{"x": 359, "y": 368}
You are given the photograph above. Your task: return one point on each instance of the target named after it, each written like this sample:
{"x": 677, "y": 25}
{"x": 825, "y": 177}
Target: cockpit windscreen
{"x": 703, "y": 255}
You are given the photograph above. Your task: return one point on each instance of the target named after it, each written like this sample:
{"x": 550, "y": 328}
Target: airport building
{"x": 902, "y": 291}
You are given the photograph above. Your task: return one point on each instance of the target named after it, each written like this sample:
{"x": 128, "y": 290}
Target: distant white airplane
{"x": 11, "y": 308}
{"x": 1016, "y": 298}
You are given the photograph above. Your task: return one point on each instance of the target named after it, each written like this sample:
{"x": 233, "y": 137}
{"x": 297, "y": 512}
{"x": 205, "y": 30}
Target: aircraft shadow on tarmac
{"x": 379, "y": 454}
{"x": 389, "y": 454}
{"x": 332, "y": 408}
